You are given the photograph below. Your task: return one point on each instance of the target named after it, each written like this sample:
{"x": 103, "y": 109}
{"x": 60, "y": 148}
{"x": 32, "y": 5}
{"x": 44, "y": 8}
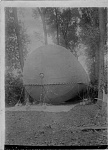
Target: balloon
{"x": 52, "y": 74}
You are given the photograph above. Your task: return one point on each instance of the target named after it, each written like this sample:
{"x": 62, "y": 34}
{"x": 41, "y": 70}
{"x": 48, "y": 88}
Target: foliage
{"x": 14, "y": 84}
{"x": 90, "y": 36}
{"x": 62, "y": 22}
{"x": 13, "y": 89}
{"x": 61, "y": 25}
{"x": 12, "y": 51}
{"x": 89, "y": 17}
{"x": 90, "y": 29}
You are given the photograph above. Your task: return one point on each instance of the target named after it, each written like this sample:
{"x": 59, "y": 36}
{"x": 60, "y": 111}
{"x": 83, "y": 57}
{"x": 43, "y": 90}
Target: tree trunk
{"x": 18, "y": 38}
{"x": 57, "y": 25}
{"x": 42, "y": 14}
{"x": 97, "y": 63}
{"x": 102, "y": 28}
{"x": 19, "y": 42}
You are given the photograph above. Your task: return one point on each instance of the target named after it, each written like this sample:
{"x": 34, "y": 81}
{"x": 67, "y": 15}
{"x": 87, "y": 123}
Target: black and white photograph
{"x": 55, "y": 76}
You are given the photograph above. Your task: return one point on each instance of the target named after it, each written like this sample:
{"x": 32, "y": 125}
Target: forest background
{"x": 83, "y": 31}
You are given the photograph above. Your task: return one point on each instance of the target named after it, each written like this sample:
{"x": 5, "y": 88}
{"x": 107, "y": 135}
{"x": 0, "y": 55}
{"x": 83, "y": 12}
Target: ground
{"x": 43, "y": 128}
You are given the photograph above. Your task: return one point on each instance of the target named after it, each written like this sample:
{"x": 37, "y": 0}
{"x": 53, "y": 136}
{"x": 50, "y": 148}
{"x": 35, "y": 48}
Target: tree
{"x": 16, "y": 40}
{"x": 102, "y": 28}
{"x": 21, "y": 58}
{"x": 57, "y": 24}
{"x": 52, "y": 21}
{"x": 41, "y": 12}
{"x": 62, "y": 26}
{"x": 17, "y": 29}
{"x": 93, "y": 34}
{"x": 89, "y": 25}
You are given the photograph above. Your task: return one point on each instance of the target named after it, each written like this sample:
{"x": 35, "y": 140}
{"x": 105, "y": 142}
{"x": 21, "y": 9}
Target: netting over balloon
{"x": 53, "y": 75}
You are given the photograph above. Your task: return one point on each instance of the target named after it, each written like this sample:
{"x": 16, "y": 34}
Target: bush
{"x": 13, "y": 90}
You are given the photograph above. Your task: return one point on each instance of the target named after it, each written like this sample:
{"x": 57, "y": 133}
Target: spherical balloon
{"x": 52, "y": 74}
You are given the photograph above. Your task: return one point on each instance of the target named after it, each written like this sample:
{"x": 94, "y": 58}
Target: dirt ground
{"x": 39, "y": 128}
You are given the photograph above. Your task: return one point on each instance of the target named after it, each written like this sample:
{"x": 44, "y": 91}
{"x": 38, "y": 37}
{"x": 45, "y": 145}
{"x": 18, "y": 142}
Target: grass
{"x": 55, "y": 128}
